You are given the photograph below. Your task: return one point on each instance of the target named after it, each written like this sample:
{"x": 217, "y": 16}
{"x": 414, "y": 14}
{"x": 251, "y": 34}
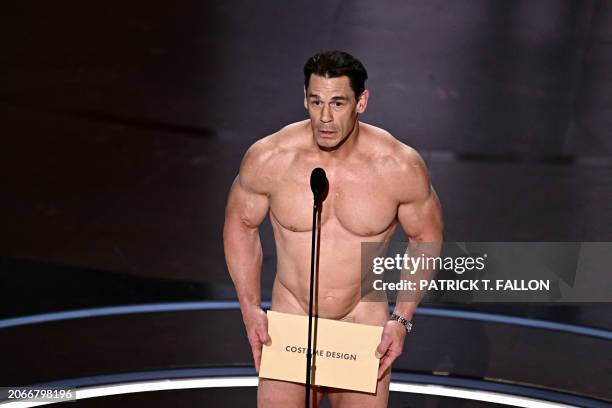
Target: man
{"x": 374, "y": 182}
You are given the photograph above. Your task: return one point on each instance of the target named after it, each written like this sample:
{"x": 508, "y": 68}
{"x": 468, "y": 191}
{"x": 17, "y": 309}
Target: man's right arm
{"x": 246, "y": 209}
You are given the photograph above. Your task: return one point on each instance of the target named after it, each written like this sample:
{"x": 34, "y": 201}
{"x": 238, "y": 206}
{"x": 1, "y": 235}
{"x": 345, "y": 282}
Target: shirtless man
{"x": 375, "y": 182}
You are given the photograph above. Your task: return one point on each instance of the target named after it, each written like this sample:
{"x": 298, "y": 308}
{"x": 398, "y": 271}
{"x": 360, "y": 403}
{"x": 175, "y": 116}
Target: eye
{"x": 315, "y": 103}
{"x": 338, "y": 104}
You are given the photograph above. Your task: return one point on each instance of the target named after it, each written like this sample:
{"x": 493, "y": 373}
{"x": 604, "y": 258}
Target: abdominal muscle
{"x": 338, "y": 281}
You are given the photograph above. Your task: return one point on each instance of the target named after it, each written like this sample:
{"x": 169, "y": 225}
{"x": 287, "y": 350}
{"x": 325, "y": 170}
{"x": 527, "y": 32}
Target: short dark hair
{"x": 333, "y": 64}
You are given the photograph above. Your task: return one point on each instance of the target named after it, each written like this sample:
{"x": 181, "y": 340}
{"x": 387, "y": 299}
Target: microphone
{"x": 319, "y": 184}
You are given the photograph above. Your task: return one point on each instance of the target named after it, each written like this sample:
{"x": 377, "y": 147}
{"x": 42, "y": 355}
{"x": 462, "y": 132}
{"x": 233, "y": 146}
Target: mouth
{"x": 327, "y": 133}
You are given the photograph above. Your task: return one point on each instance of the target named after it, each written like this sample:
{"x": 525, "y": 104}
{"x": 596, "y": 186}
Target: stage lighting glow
{"x": 251, "y": 381}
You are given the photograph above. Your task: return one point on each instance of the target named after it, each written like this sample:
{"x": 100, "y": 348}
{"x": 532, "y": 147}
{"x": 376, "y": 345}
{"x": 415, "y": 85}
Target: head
{"x": 334, "y": 95}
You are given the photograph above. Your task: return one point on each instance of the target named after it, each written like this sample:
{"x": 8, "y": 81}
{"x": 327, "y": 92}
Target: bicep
{"x": 245, "y": 206}
{"x": 421, "y": 218}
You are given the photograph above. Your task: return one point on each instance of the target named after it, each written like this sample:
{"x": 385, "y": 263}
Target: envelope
{"x": 343, "y": 354}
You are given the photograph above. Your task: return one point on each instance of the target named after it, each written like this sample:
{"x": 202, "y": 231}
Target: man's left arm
{"x": 420, "y": 215}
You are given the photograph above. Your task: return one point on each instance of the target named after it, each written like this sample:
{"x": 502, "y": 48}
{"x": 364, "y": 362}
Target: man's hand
{"x": 391, "y": 345}
{"x": 256, "y": 324}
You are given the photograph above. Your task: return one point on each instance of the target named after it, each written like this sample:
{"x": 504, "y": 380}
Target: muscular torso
{"x": 359, "y": 208}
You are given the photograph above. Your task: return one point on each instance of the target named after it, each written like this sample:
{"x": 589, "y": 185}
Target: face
{"x": 333, "y": 109}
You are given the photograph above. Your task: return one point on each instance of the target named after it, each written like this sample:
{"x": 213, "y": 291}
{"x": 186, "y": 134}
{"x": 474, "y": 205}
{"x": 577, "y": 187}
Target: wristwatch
{"x": 403, "y": 321}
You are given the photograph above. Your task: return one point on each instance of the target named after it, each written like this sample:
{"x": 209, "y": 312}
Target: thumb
{"x": 262, "y": 332}
{"x": 383, "y": 346}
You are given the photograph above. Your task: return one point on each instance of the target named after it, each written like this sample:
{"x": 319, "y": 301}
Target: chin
{"x": 327, "y": 144}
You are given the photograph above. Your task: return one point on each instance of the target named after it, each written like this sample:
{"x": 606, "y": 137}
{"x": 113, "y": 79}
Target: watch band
{"x": 407, "y": 324}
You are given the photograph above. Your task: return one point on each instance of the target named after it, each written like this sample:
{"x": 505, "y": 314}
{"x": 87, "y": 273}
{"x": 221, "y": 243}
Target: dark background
{"x": 123, "y": 125}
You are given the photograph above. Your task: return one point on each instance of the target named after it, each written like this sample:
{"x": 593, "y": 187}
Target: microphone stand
{"x": 315, "y": 209}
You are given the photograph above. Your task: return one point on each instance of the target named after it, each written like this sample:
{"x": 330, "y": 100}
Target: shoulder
{"x": 402, "y": 166}
{"x": 267, "y": 157}
{"x": 388, "y": 152}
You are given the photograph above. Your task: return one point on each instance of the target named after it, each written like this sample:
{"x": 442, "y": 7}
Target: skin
{"x": 375, "y": 183}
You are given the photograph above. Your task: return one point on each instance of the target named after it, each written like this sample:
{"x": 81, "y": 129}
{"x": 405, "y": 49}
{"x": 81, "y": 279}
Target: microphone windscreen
{"x": 318, "y": 183}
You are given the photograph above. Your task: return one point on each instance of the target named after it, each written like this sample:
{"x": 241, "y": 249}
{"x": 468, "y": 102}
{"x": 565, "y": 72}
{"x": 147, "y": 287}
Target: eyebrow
{"x": 334, "y": 98}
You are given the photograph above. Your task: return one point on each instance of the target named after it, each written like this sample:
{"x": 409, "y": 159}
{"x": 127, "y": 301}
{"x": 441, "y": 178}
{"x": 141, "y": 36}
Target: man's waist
{"x": 329, "y": 303}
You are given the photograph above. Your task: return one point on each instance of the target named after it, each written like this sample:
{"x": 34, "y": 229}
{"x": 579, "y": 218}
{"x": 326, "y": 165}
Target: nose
{"x": 326, "y": 114}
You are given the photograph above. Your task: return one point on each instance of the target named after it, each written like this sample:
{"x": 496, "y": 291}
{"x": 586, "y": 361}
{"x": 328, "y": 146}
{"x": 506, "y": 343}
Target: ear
{"x": 362, "y": 102}
{"x": 305, "y": 100}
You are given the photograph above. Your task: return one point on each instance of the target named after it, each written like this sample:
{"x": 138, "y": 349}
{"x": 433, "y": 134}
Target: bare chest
{"x": 357, "y": 201}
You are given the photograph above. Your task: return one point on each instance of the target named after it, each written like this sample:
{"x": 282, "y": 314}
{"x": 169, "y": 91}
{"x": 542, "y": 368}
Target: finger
{"x": 264, "y": 337}
{"x": 382, "y": 371}
{"x": 382, "y": 348}
{"x": 383, "y": 367}
{"x": 254, "y": 340}
{"x": 255, "y": 349}
{"x": 256, "y": 356}
{"x": 386, "y": 362}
